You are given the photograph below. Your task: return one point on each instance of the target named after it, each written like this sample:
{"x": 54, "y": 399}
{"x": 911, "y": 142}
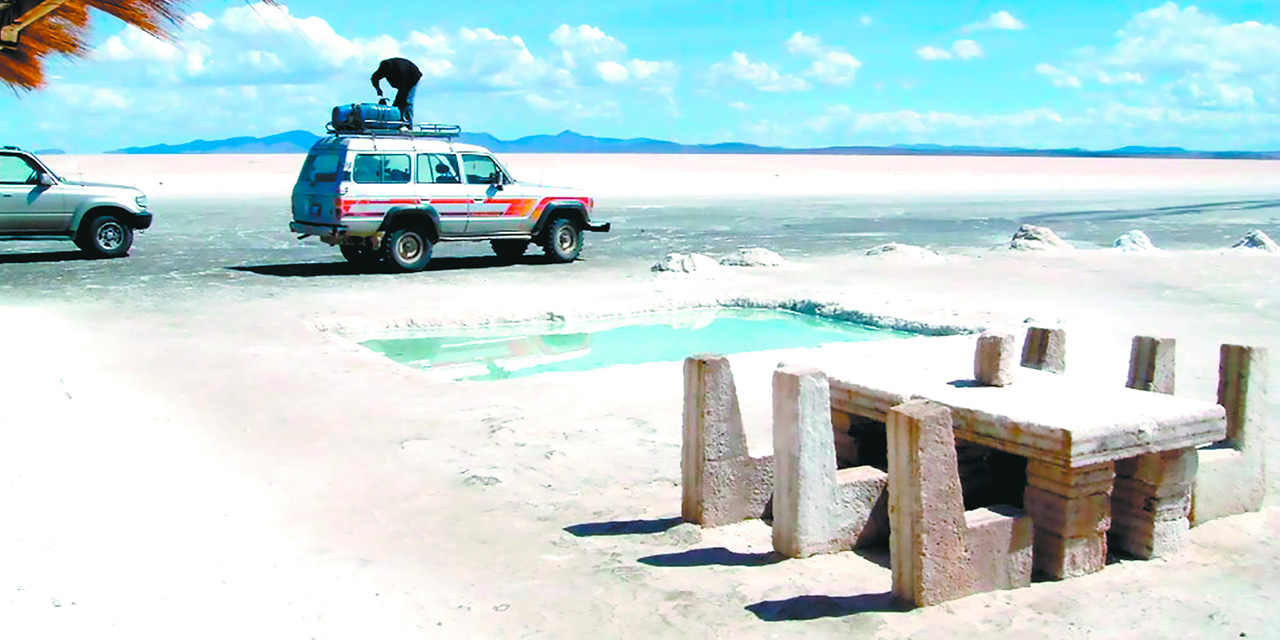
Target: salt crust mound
{"x": 1032, "y": 238}
{"x": 1256, "y": 239}
{"x": 906, "y": 251}
{"x": 753, "y": 257}
{"x": 1134, "y": 240}
{"x": 686, "y": 263}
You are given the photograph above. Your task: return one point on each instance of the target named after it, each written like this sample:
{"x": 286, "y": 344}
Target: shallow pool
{"x": 512, "y": 350}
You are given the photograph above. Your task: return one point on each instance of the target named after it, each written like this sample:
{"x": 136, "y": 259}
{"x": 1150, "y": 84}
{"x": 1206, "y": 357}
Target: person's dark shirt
{"x": 398, "y": 72}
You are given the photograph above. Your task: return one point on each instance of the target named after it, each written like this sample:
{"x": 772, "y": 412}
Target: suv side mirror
{"x": 46, "y": 180}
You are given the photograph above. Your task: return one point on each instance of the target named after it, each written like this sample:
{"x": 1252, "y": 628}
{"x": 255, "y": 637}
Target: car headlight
{"x": 141, "y": 200}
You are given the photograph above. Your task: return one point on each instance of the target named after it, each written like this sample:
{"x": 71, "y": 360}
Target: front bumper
{"x": 599, "y": 227}
{"x": 142, "y": 220}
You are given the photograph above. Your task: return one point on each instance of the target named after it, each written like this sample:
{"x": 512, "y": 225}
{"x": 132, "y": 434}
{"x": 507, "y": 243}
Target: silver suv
{"x": 37, "y": 204}
{"x": 388, "y": 197}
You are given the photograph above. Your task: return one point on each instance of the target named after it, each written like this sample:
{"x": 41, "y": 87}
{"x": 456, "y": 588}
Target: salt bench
{"x": 1071, "y": 432}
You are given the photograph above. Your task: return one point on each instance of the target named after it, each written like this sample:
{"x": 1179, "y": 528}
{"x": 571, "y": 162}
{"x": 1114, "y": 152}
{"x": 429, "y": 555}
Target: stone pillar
{"x": 1151, "y": 503}
{"x": 1232, "y": 475}
{"x": 1071, "y": 510}
{"x": 1045, "y": 349}
{"x": 815, "y": 508}
{"x": 1151, "y": 364}
{"x": 994, "y": 363}
{"x": 721, "y": 483}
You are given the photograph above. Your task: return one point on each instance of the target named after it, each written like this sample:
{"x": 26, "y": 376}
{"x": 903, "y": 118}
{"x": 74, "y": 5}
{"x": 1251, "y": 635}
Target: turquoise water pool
{"x": 514, "y": 350}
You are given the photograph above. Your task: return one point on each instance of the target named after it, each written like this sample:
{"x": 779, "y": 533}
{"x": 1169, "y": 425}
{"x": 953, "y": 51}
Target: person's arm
{"x": 377, "y": 76}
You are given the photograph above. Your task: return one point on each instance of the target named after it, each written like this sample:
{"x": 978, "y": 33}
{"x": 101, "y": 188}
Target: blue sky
{"x": 1089, "y": 73}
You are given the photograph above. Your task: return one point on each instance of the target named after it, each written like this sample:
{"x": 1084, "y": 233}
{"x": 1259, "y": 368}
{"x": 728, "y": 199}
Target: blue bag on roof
{"x": 367, "y": 116}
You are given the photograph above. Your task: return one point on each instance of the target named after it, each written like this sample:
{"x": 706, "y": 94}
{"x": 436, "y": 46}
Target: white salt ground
{"x": 196, "y": 459}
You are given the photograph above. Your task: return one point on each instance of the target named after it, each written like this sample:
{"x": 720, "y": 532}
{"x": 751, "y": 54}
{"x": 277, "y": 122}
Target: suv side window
{"x": 481, "y": 169}
{"x": 381, "y": 168}
{"x": 17, "y": 170}
{"x": 438, "y": 168}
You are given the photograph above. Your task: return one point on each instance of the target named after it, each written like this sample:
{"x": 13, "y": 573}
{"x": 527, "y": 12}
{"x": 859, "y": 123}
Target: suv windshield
{"x": 320, "y": 167}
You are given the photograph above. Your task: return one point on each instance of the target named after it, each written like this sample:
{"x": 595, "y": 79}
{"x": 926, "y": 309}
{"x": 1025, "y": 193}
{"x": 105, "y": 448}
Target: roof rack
{"x": 447, "y": 131}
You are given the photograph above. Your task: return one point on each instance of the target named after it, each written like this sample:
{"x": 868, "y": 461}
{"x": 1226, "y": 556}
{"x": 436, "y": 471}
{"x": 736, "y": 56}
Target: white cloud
{"x": 962, "y": 49}
{"x": 590, "y": 56}
{"x": 612, "y": 72}
{"x": 1120, "y": 77}
{"x": 739, "y": 106}
{"x": 865, "y": 21}
{"x": 1057, "y": 76}
{"x": 1188, "y": 58}
{"x": 759, "y": 75}
{"x": 966, "y": 49}
{"x": 830, "y": 66}
{"x": 933, "y": 53}
{"x": 264, "y": 44}
{"x": 998, "y": 20}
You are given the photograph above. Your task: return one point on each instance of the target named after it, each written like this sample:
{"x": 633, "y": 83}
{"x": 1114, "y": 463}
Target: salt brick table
{"x": 1080, "y": 439}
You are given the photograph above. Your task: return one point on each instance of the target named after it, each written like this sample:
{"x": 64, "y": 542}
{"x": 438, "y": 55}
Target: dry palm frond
{"x": 63, "y": 31}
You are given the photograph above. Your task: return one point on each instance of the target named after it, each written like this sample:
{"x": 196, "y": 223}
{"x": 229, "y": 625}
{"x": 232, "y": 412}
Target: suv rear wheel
{"x": 408, "y": 249}
{"x": 564, "y": 240}
{"x": 105, "y": 236}
{"x": 509, "y": 249}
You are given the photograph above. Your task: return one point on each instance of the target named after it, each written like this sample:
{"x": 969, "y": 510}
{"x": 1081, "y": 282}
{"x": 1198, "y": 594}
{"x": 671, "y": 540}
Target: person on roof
{"x": 403, "y": 76}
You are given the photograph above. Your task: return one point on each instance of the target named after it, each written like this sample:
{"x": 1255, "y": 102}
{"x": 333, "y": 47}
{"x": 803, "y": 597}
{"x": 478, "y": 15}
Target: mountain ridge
{"x": 569, "y": 141}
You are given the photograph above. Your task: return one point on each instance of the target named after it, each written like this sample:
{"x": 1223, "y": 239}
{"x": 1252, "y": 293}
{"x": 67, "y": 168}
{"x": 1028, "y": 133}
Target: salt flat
{"x": 184, "y": 453}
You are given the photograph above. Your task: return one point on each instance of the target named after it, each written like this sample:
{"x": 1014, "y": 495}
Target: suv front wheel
{"x": 407, "y": 249}
{"x": 564, "y": 240}
{"x": 105, "y": 237}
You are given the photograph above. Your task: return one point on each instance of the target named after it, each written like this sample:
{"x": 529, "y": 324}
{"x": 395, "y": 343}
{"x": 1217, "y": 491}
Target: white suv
{"x": 392, "y": 195}
{"x": 35, "y": 204}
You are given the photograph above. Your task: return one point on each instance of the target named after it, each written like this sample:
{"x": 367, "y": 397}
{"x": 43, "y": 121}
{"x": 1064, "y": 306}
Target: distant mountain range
{"x": 570, "y": 142}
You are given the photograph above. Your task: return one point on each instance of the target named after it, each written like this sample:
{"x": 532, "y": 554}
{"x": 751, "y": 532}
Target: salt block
{"x": 994, "y": 362}
{"x": 1151, "y": 364}
{"x": 1229, "y": 482}
{"x": 1071, "y": 482}
{"x": 1232, "y": 479}
{"x": 1068, "y": 517}
{"x": 1172, "y": 467}
{"x": 720, "y": 482}
{"x": 926, "y": 509}
{"x": 815, "y": 508}
{"x": 1045, "y": 349}
{"x": 1062, "y": 558}
{"x": 1000, "y": 541}
{"x": 939, "y": 552}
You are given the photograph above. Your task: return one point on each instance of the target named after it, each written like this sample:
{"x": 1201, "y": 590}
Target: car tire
{"x": 105, "y": 236}
{"x": 407, "y": 249}
{"x": 564, "y": 240}
{"x": 360, "y": 255}
{"x": 509, "y": 249}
